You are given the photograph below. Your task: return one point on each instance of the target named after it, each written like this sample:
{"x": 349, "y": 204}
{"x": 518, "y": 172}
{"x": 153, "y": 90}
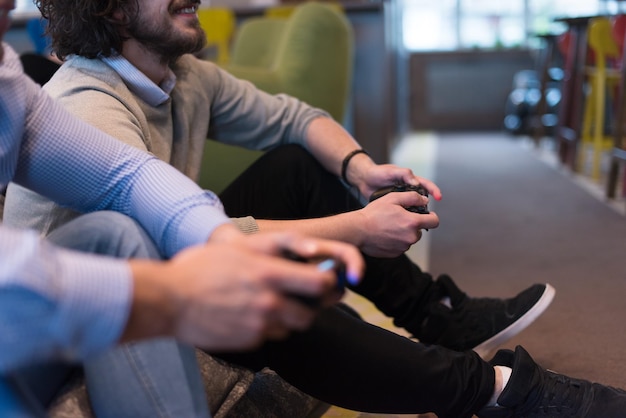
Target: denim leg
{"x": 29, "y": 390}
{"x": 158, "y": 378}
{"x": 105, "y": 233}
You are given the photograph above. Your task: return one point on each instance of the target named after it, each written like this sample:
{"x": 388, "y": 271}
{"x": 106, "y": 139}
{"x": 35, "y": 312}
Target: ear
{"x": 120, "y": 20}
{"x": 118, "y": 17}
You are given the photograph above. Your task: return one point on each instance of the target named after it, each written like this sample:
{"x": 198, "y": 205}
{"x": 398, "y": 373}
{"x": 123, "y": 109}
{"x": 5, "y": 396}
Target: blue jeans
{"x": 120, "y": 381}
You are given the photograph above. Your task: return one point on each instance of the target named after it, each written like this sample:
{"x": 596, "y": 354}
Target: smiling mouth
{"x": 191, "y": 9}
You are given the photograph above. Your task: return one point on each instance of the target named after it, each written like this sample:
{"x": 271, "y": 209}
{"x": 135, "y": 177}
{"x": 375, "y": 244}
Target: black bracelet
{"x": 346, "y": 161}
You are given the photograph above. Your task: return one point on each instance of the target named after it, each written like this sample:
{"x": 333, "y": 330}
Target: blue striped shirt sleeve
{"x": 60, "y": 304}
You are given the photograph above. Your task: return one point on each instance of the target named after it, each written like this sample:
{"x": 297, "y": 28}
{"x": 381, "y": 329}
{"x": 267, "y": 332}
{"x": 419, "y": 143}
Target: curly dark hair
{"x": 86, "y": 27}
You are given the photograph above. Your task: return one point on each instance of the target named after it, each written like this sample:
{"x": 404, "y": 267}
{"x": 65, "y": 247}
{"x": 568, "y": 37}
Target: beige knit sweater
{"x": 205, "y": 102}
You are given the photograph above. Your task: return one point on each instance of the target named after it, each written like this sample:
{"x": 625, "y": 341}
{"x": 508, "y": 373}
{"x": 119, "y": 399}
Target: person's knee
{"x": 105, "y": 233}
{"x": 160, "y": 377}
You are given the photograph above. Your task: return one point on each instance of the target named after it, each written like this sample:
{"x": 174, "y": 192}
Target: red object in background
{"x": 563, "y": 42}
{"x": 619, "y": 31}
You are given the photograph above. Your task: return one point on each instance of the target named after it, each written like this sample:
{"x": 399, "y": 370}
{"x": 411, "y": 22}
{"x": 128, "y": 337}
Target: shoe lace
{"x": 560, "y": 396}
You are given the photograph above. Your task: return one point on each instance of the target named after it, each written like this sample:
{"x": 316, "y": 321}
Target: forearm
{"x": 346, "y": 227}
{"x": 330, "y": 143}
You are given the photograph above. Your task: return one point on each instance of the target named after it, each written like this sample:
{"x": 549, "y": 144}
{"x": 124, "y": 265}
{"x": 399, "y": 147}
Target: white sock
{"x": 446, "y": 301}
{"x": 506, "y": 375}
{"x": 505, "y": 372}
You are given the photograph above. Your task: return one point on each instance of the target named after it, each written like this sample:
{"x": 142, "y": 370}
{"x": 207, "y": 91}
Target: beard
{"x": 166, "y": 40}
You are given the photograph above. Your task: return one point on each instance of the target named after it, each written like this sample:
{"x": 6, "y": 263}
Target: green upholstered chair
{"x": 307, "y": 55}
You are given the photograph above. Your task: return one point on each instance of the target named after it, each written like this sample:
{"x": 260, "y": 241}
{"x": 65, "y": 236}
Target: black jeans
{"x": 341, "y": 359}
{"x": 344, "y": 361}
{"x": 288, "y": 183}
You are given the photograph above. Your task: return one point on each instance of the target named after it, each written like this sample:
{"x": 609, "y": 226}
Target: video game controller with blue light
{"x": 326, "y": 264}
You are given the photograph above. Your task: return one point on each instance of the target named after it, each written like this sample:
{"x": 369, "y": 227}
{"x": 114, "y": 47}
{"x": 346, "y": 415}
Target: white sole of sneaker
{"x": 490, "y": 345}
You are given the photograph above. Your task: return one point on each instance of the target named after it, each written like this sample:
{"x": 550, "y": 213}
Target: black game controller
{"x": 403, "y": 188}
{"x": 325, "y": 264}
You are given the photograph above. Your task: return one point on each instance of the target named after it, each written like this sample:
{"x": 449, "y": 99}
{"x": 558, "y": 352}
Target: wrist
{"x": 154, "y": 311}
{"x": 347, "y": 165}
{"x": 356, "y": 233}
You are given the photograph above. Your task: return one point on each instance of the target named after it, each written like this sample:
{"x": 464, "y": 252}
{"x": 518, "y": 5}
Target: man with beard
{"x": 129, "y": 72}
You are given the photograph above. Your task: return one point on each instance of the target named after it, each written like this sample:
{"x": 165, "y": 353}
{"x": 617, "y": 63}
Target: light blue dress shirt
{"x": 60, "y": 304}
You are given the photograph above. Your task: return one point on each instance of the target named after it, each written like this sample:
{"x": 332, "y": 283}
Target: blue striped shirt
{"x": 60, "y": 304}
{"x": 139, "y": 83}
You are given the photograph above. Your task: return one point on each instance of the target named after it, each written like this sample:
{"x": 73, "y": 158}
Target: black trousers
{"x": 341, "y": 359}
{"x": 288, "y": 183}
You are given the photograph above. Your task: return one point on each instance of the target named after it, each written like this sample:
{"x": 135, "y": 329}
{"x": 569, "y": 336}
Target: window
{"x": 466, "y": 24}
{"x": 24, "y": 10}
{"x": 22, "y": 6}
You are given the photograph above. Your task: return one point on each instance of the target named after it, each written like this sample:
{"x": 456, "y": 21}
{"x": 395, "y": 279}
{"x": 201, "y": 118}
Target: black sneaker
{"x": 535, "y": 392}
{"x": 480, "y": 324}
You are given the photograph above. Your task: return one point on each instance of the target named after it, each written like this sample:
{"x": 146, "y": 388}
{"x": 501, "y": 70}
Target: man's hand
{"x": 371, "y": 177}
{"x": 233, "y": 295}
{"x": 330, "y": 143}
{"x": 389, "y": 229}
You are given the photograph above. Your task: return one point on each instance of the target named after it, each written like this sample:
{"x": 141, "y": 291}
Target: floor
{"x": 546, "y": 151}
{"x": 418, "y": 151}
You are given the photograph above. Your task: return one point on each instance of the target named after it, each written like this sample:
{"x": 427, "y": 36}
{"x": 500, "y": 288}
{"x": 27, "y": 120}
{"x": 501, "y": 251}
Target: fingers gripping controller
{"x": 403, "y": 188}
{"x": 326, "y": 264}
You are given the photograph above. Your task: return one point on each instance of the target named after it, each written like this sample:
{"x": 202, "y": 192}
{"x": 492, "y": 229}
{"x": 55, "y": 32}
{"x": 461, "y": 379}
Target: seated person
{"x": 59, "y": 306}
{"x": 130, "y": 72}
{"x": 230, "y": 294}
